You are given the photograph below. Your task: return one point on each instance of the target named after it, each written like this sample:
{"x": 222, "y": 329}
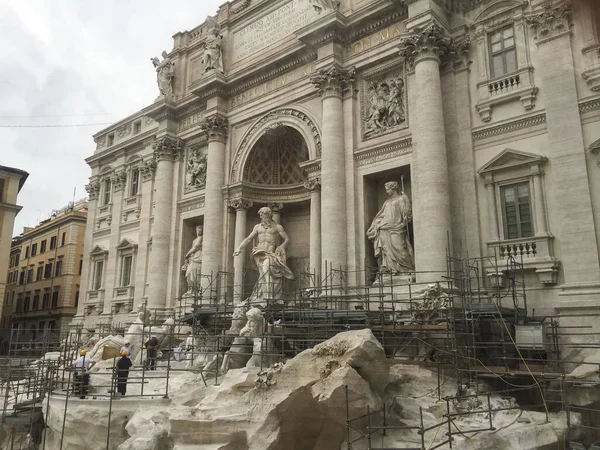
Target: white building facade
{"x": 486, "y": 111}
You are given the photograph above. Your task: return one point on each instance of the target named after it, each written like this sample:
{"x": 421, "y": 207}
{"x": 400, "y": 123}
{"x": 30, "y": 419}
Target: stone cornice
{"x": 374, "y": 154}
{"x": 191, "y": 204}
{"x": 118, "y": 149}
{"x": 514, "y": 125}
{"x": 267, "y": 194}
{"x": 216, "y": 127}
{"x": 167, "y": 149}
{"x": 589, "y": 105}
{"x": 551, "y": 21}
{"x": 279, "y": 69}
{"x": 333, "y": 81}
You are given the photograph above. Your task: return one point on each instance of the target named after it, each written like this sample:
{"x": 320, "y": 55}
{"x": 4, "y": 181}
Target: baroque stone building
{"x": 486, "y": 112}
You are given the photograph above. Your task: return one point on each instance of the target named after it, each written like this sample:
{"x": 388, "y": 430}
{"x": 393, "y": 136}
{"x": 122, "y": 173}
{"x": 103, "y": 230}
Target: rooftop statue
{"x": 165, "y": 71}
{"x": 389, "y": 233}
{"x": 269, "y": 256}
{"x": 213, "y": 54}
{"x": 325, "y": 5}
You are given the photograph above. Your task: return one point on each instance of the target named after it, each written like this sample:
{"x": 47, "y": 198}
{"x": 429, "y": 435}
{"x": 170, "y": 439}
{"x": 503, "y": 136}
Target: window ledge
{"x": 535, "y": 253}
{"x": 123, "y": 293}
{"x": 510, "y": 87}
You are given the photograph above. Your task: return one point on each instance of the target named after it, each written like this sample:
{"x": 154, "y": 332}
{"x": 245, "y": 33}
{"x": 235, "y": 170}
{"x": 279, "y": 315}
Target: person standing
{"x": 82, "y": 366}
{"x": 123, "y": 372}
{"x": 152, "y": 348}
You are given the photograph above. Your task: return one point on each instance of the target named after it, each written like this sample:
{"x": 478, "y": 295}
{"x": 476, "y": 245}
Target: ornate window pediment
{"x": 511, "y": 159}
{"x": 126, "y": 244}
{"x": 98, "y": 250}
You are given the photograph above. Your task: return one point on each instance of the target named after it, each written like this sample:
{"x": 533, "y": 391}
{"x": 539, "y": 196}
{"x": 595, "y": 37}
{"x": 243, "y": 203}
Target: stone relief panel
{"x": 383, "y": 104}
{"x": 195, "y": 169}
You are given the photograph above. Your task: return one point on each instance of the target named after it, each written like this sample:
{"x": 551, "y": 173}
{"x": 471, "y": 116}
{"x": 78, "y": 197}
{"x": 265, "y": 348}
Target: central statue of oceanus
{"x": 269, "y": 256}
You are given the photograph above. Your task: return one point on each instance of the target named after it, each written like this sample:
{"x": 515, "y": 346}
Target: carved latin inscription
{"x": 272, "y": 28}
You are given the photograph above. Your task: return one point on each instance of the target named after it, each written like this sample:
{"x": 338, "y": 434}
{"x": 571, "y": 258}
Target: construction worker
{"x": 123, "y": 372}
{"x": 82, "y": 366}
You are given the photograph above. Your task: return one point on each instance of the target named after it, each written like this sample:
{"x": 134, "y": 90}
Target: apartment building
{"x": 43, "y": 274}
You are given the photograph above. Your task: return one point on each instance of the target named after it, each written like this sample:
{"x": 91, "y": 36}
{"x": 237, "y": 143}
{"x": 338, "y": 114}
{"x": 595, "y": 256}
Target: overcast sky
{"x": 76, "y": 62}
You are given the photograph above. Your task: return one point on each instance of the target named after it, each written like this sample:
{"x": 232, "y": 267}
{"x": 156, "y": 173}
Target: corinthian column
{"x": 314, "y": 186}
{"x": 423, "y": 50}
{"x": 212, "y": 251}
{"x": 166, "y": 151}
{"x": 332, "y": 83}
{"x": 240, "y": 206}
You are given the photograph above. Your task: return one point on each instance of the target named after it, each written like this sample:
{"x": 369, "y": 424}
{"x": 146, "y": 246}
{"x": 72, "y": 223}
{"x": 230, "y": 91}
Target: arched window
{"x": 275, "y": 158}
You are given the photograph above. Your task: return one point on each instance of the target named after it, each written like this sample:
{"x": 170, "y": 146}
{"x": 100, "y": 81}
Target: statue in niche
{"x": 325, "y": 5}
{"x": 195, "y": 176}
{"x": 386, "y": 108}
{"x": 268, "y": 253}
{"x": 165, "y": 71}
{"x": 213, "y": 55}
{"x": 193, "y": 264}
{"x": 389, "y": 233}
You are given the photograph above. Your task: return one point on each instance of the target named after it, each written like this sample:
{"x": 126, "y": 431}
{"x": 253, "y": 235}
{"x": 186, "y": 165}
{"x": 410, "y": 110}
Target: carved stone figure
{"x": 193, "y": 264}
{"x": 195, "y": 176}
{"x": 386, "y": 107}
{"x": 165, "y": 71}
{"x": 237, "y": 355}
{"x": 389, "y": 232}
{"x": 269, "y": 256}
{"x": 213, "y": 55}
{"x": 262, "y": 349}
{"x": 325, "y": 5}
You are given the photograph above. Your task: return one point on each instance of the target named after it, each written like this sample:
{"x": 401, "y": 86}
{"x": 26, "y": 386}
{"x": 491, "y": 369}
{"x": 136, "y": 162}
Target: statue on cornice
{"x": 213, "y": 55}
{"x": 165, "y": 71}
{"x": 389, "y": 233}
{"x": 325, "y": 5}
{"x": 195, "y": 176}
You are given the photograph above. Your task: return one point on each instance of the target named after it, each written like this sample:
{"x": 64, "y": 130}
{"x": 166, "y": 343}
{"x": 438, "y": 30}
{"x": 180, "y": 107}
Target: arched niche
{"x": 285, "y": 117}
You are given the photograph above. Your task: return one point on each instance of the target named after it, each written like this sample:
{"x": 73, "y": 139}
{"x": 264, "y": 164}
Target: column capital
{"x": 552, "y": 20}
{"x": 93, "y": 189}
{"x": 147, "y": 169}
{"x": 239, "y": 203}
{"x": 215, "y": 127}
{"x": 424, "y": 43}
{"x": 314, "y": 184}
{"x": 275, "y": 207}
{"x": 333, "y": 81}
{"x": 119, "y": 179}
{"x": 167, "y": 149}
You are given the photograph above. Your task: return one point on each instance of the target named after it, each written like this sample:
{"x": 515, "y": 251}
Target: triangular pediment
{"x": 126, "y": 244}
{"x": 508, "y": 159}
{"x": 98, "y": 250}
